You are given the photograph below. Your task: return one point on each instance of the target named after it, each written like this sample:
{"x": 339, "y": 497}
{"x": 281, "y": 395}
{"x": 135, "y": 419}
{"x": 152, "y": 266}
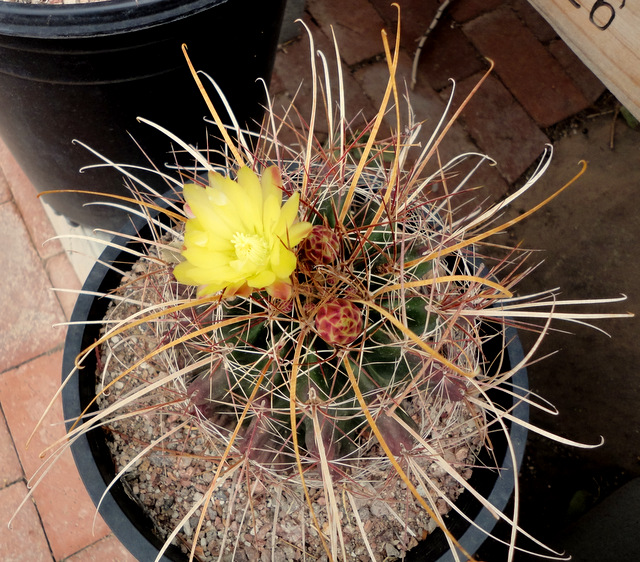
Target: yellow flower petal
{"x": 209, "y": 214}
{"x": 184, "y": 271}
{"x": 250, "y": 184}
{"x": 271, "y": 182}
{"x": 239, "y": 235}
{"x": 288, "y": 214}
{"x": 271, "y": 214}
{"x": 203, "y": 258}
{"x": 243, "y": 198}
{"x": 263, "y": 279}
{"x": 297, "y": 233}
{"x": 283, "y": 262}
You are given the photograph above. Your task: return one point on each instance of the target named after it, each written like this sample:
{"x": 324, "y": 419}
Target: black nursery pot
{"x": 132, "y": 527}
{"x": 87, "y": 71}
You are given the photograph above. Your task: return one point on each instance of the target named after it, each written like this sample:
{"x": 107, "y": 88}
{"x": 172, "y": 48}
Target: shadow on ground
{"x": 589, "y": 236}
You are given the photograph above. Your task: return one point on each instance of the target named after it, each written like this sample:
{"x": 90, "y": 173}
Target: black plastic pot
{"x": 87, "y": 71}
{"x": 495, "y": 486}
{"x": 131, "y": 526}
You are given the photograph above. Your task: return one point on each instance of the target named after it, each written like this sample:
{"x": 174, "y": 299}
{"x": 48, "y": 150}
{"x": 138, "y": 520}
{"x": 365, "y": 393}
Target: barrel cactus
{"x": 351, "y": 335}
{"x": 328, "y": 311}
{"x": 313, "y": 317}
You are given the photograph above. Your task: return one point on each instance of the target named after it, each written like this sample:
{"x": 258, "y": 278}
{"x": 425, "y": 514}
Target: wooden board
{"x": 606, "y": 37}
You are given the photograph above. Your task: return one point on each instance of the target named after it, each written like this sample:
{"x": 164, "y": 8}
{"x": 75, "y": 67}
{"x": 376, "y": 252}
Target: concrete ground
{"x": 588, "y": 239}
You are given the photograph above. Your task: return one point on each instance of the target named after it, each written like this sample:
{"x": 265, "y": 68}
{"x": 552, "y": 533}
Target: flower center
{"x": 250, "y": 248}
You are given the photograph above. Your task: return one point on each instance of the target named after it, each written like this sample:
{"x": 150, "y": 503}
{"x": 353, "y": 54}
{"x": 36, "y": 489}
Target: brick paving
{"x": 537, "y": 82}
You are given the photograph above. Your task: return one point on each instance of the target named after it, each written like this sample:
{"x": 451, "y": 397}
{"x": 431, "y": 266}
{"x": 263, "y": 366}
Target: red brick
{"x": 25, "y": 540}
{"x": 28, "y": 306}
{"x": 373, "y": 79}
{"x": 108, "y": 548}
{"x": 589, "y": 84}
{"x": 465, "y": 10}
{"x": 31, "y": 208}
{"x": 10, "y": 469}
{"x": 534, "y": 77}
{"x": 429, "y": 108}
{"x": 5, "y": 192}
{"x": 357, "y": 26}
{"x": 292, "y": 77}
{"x": 534, "y": 21}
{"x": 448, "y": 54}
{"x": 64, "y": 505}
{"x": 500, "y": 127}
{"x": 416, "y": 16}
{"x": 63, "y": 276}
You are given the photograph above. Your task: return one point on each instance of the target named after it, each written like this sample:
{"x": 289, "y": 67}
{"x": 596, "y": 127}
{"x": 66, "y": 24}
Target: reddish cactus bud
{"x": 339, "y": 322}
{"x": 322, "y": 245}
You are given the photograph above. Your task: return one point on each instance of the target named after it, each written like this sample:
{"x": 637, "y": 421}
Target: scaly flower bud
{"x": 338, "y": 322}
{"x": 322, "y": 245}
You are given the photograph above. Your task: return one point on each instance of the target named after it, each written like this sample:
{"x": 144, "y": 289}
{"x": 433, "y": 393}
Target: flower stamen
{"x": 250, "y": 248}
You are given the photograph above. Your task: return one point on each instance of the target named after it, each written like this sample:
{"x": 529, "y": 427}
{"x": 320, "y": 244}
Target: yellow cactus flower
{"x": 240, "y": 235}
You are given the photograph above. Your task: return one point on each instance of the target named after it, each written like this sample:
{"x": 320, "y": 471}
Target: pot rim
{"x": 100, "y": 18}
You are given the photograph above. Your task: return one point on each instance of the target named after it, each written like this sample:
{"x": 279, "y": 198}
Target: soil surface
{"x": 590, "y": 235}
